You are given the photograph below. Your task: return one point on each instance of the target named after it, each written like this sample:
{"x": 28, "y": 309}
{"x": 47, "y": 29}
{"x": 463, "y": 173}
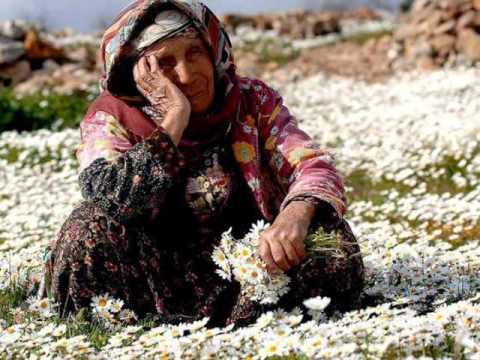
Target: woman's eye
{"x": 196, "y": 50}
{"x": 165, "y": 63}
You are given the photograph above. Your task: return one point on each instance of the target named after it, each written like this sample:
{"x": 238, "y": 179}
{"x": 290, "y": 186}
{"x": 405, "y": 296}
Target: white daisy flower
{"x": 317, "y": 303}
{"x": 116, "y": 305}
{"x": 224, "y": 275}
{"x": 220, "y": 259}
{"x": 273, "y": 347}
{"x": 127, "y": 316}
{"x": 101, "y": 303}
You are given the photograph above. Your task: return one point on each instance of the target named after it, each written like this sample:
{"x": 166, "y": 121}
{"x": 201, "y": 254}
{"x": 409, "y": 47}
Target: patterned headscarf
{"x": 167, "y": 24}
{"x": 133, "y": 26}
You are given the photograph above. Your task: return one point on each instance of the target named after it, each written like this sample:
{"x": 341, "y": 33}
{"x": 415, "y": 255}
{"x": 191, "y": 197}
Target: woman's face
{"x": 186, "y": 62}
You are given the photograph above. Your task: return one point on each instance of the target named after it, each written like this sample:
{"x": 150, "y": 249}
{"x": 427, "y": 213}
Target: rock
{"x": 448, "y": 26}
{"x": 406, "y": 31}
{"x": 443, "y": 44}
{"x": 263, "y": 23}
{"x": 66, "y": 79}
{"x": 10, "y": 50}
{"x": 82, "y": 56}
{"x": 418, "y": 49}
{"x": 301, "y": 24}
{"x": 445, "y": 27}
{"x": 38, "y": 49}
{"x": 50, "y": 65}
{"x": 14, "y": 29}
{"x": 420, "y": 5}
{"x": 15, "y": 73}
{"x": 362, "y": 14}
{"x": 430, "y": 24}
{"x": 468, "y": 42}
{"x": 465, "y": 20}
{"x": 426, "y": 63}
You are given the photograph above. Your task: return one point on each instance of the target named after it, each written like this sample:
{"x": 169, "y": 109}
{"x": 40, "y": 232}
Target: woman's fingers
{"x": 153, "y": 63}
{"x": 299, "y": 247}
{"x": 279, "y": 255}
{"x": 141, "y": 84}
{"x": 291, "y": 254}
{"x": 266, "y": 255}
{"x": 144, "y": 70}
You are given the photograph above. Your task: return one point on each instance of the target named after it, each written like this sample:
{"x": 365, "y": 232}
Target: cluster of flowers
{"x": 384, "y": 331}
{"x": 110, "y": 312}
{"x": 239, "y": 260}
{"x": 417, "y": 227}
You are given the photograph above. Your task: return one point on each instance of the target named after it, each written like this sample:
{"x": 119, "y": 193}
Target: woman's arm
{"x": 304, "y": 169}
{"x": 123, "y": 179}
{"x": 308, "y": 176}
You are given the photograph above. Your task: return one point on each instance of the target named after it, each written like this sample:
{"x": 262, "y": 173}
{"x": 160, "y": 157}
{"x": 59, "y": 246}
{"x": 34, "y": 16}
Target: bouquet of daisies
{"x": 238, "y": 259}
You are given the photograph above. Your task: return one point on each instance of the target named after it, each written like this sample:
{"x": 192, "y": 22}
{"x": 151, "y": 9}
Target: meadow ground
{"x": 410, "y": 153}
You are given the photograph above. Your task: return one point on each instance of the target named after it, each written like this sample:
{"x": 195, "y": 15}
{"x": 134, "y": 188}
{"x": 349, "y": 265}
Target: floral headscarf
{"x": 119, "y": 43}
{"x": 167, "y": 24}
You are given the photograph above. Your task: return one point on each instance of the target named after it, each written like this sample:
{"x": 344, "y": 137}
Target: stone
{"x": 468, "y": 42}
{"x": 420, "y": 5}
{"x": 362, "y": 13}
{"x": 430, "y": 24}
{"x": 13, "y": 29}
{"x": 445, "y": 27}
{"x": 465, "y": 20}
{"x": 426, "y": 63}
{"x": 13, "y": 74}
{"x": 406, "y": 31}
{"x": 50, "y": 65}
{"x": 443, "y": 44}
{"x": 419, "y": 49}
{"x": 10, "y": 50}
{"x": 82, "y": 56}
{"x": 38, "y": 49}
{"x": 263, "y": 22}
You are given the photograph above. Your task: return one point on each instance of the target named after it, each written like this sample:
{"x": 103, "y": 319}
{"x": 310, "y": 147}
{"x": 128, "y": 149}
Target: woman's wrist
{"x": 303, "y": 210}
{"x": 174, "y": 125}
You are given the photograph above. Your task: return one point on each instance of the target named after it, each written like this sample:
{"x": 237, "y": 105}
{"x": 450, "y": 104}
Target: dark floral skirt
{"x": 94, "y": 254}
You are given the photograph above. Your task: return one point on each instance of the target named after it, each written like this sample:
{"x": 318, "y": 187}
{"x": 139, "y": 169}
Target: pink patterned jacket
{"x": 278, "y": 160}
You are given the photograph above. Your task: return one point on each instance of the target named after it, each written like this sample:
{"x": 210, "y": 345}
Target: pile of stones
{"x": 300, "y": 24}
{"x": 439, "y": 33}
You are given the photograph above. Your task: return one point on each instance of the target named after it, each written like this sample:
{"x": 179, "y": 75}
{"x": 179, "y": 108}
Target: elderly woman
{"x": 176, "y": 150}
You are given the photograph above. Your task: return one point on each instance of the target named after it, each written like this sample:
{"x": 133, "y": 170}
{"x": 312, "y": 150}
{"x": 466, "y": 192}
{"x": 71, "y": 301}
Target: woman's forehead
{"x": 174, "y": 44}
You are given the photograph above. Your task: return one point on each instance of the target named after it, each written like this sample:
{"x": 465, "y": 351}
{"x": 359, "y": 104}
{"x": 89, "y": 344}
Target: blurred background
{"x": 50, "y": 65}
{"x": 84, "y": 16}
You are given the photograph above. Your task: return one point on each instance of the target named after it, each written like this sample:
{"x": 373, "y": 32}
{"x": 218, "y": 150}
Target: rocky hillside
{"x": 439, "y": 32}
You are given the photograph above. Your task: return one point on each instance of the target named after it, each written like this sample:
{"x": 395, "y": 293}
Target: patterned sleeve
{"x": 302, "y": 167}
{"x": 125, "y": 180}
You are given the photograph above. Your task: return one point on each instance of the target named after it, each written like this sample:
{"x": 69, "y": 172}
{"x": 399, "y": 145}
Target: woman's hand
{"x": 163, "y": 95}
{"x": 282, "y": 244}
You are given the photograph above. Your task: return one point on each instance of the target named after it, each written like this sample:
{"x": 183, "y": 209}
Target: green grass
{"x": 364, "y": 36}
{"x": 376, "y": 192}
{"x": 51, "y": 156}
{"x": 37, "y": 111}
{"x": 11, "y": 298}
{"x": 269, "y": 50}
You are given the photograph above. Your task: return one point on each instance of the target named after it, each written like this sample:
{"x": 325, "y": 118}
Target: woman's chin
{"x": 199, "y": 106}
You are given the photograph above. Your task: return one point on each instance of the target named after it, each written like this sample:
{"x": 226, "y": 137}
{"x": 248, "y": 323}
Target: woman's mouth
{"x": 196, "y": 95}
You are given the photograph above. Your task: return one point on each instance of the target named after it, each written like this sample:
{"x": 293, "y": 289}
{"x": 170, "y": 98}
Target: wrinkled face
{"x": 187, "y": 63}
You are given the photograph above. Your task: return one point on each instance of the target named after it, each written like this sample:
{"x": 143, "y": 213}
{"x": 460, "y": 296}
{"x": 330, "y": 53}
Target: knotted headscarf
{"x": 145, "y": 22}
{"x": 168, "y": 24}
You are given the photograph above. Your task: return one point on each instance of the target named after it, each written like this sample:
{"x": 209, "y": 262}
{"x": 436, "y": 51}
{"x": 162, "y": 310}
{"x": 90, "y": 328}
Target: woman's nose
{"x": 184, "y": 72}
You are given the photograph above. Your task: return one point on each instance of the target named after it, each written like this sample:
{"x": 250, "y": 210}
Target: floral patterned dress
{"x": 162, "y": 264}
